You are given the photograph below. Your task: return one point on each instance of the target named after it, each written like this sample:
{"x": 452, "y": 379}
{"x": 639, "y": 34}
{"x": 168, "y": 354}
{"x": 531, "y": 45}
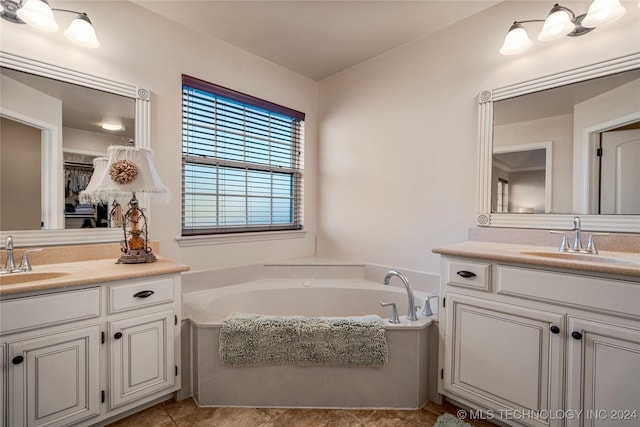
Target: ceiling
{"x": 519, "y": 161}
{"x": 316, "y": 38}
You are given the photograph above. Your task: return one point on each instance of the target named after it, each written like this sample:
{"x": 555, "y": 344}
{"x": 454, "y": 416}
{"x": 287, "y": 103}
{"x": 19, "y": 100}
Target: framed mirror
{"x": 563, "y": 145}
{"x": 56, "y": 114}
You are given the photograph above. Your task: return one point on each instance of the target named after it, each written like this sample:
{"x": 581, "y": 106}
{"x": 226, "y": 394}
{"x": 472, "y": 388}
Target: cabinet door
{"x": 53, "y": 379}
{"x": 142, "y": 359}
{"x": 604, "y": 374}
{"x": 505, "y": 358}
{"x": 3, "y": 384}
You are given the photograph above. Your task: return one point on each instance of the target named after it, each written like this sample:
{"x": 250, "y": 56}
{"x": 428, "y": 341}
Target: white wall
{"x": 84, "y": 140}
{"x": 398, "y": 134}
{"x": 149, "y": 51}
{"x": 559, "y": 130}
{"x": 526, "y": 190}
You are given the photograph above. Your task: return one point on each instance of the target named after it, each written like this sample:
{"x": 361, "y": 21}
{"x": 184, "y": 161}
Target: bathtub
{"x": 404, "y": 383}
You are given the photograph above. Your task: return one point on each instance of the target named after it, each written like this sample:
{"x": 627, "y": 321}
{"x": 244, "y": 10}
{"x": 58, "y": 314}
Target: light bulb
{"x": 516, "y": 41}
{"x": 557, "y": 25}
{"x": 82, "y": 33}
{"x": 603, "y": 12}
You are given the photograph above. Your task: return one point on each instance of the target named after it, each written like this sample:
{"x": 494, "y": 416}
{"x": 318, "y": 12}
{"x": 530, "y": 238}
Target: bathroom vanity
{"x": 535, "y": 338}
{"x": 90, "y": 341}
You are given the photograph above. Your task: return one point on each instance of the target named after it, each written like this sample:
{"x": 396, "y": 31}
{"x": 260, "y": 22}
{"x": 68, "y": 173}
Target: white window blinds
{"x": 242, "y": 162}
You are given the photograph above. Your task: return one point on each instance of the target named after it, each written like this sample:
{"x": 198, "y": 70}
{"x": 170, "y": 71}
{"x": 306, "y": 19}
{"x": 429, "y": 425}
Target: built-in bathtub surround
{"x": 305, "y": 268}
{"x": 405, "y": 382}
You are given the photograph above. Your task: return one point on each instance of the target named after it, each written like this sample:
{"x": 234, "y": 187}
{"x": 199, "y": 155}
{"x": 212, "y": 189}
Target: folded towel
{"x": 260, "y": 340}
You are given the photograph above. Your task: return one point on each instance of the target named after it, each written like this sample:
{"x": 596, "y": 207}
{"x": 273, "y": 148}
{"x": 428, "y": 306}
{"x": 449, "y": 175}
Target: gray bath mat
{"x": 259, "y": 340}
{"x": 448, "y": 420}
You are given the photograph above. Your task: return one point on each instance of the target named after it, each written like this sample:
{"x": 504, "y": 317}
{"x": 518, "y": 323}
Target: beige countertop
{"x": 83, "y": 273}
{"x": 608, "y": 262}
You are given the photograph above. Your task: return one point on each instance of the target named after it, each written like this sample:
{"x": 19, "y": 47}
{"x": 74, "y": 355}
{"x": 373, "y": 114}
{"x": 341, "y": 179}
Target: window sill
{"x": 220, "y": 239}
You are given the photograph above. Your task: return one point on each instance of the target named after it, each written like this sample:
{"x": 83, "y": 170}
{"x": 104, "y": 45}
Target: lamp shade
{"x": 82, "y": 33}
{"x": 603, "y": 12}
{"x": 558, "y": 24}
{"x": 90, "y": 193}
{"x": 516, "y": 41}
{"x": 130, "y": 169}
{"x": 38, "y": 14}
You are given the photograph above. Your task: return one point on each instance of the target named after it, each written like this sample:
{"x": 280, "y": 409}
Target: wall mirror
{"x": 51, "y": 121}
{"x": 563, "y": 145}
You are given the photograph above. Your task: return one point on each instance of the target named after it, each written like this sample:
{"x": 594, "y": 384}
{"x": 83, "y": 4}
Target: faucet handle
{"x": 427, "y": 311}
{"x": 591, "y": 244}
{"x": 394, "y": 311}
{"x": 25, "y": 265}
{"x": 564, "y": 244}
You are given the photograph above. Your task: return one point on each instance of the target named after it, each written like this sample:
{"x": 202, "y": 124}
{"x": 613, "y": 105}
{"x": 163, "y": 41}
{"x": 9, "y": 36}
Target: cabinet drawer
{"x": 468, "y": 274}
{"x": 48, "y": 310}
{"x": 596, "y": 293}
{"x": 140, "y": 294}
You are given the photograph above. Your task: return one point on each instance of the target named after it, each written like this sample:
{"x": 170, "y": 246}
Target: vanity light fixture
{"x": 131, "y": 170}
{"x": 562, "y": 21}
{"x": 39, "y": 14}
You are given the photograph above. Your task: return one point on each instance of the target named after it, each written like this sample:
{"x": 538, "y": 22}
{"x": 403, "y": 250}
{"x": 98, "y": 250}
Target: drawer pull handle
{"x": 554, "y": 329}
{"x": 466, "y": 274}
{"x": 117, "y": 335}
{"x": 143, "y": 294}
{"x": 577, "y": 335}
{"x": 17, "y": 360}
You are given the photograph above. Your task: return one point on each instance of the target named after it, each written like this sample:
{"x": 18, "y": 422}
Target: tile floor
{"x": 186, "y": 413}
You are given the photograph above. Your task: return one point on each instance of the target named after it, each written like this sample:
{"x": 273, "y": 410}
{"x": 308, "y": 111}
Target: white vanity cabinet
{"x": 85, "y": 355}
{"x": 540, "y": 347}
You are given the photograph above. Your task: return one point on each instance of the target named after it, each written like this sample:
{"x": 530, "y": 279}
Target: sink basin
{"x": 13, "y": 278}
{"x": 583, "y": 257}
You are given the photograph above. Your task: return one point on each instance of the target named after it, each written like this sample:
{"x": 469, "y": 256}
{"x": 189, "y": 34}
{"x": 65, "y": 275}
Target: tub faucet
{"x": 411, "y": 311}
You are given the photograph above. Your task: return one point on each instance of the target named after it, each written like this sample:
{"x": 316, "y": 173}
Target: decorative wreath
{"x": 123, "y": 171}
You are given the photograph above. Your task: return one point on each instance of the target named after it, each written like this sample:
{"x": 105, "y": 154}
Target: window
{"x": 242, "y": 162}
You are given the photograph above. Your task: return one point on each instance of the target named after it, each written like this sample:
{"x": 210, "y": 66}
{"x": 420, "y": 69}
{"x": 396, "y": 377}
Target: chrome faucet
{"x": 577, "y": 241}
{"x": 411, "y": 311}
{"x": 10, "y": 266}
